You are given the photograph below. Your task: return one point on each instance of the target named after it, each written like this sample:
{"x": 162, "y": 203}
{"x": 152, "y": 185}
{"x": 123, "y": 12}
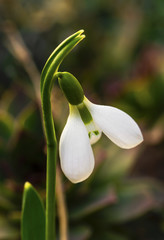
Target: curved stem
{"x": 47, "y": 80}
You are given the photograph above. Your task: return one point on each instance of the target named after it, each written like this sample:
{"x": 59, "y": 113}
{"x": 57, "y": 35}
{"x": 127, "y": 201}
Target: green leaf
{"x": 33, "y": 215}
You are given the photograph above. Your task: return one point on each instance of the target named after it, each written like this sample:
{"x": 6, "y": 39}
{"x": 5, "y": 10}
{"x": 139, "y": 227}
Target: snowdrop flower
{"x": 84, "y": 127}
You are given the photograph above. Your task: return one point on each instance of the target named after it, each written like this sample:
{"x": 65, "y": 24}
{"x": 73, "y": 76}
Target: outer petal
{"x": 118, "y": 126}
{"x": 77, "y": 160}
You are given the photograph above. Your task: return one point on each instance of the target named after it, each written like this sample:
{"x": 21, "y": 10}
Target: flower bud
{"x": 70, "y": 87}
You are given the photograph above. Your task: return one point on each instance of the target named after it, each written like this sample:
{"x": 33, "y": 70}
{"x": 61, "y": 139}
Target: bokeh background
{"x": 120, "y": 63}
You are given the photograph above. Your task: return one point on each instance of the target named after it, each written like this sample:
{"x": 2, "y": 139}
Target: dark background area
{"x": 119, "y": 63}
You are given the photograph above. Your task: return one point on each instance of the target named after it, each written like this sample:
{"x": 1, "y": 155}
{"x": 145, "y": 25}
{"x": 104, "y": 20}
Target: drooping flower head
{"x": 84, "y": 127}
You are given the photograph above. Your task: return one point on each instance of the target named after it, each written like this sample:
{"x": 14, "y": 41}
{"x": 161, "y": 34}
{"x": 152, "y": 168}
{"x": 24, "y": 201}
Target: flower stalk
{"x": 47, "y": 80}
{"x": 85, "y": 125}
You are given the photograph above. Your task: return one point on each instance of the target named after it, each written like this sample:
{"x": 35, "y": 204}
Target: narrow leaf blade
{"x": 33, "y": 215}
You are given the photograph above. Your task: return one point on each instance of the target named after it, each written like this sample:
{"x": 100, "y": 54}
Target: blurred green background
{"x": 120, "y": 63}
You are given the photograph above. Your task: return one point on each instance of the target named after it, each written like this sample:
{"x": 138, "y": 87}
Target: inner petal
{"x": 94, "y": 133}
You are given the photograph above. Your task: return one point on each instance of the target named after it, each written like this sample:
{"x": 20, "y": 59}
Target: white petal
{"x": 118, "y": 126}
{"x": 77, "y": 160}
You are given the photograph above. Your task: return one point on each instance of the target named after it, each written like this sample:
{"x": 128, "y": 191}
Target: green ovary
{"x": 70, "y": 87}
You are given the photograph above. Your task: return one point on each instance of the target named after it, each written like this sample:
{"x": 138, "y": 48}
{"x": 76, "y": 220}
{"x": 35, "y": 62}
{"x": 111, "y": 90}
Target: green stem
{"x": 50, "y": 205}
{"x": 47, "y": 79}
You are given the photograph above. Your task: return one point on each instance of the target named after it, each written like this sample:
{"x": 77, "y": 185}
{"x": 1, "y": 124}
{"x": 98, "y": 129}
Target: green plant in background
{"x": 125, "y": 190}
{"x": 85, "y": 124}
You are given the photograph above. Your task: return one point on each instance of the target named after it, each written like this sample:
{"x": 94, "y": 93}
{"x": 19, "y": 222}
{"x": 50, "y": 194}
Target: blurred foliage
{"x": 120, "y": 63}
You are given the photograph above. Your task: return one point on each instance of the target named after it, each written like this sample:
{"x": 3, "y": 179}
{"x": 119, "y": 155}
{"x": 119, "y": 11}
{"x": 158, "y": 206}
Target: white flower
{"x": 77, "y": 160}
